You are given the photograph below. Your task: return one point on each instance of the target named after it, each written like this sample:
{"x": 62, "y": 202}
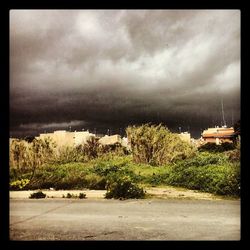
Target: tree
{"x": 27, "y": 157}
{"x": 156, "y": 145}
{"x": 90, "y": 149}
{"x": 41, "y": 151}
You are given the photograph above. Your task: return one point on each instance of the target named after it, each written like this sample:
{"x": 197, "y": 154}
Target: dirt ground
{"x": 157, "y": 192}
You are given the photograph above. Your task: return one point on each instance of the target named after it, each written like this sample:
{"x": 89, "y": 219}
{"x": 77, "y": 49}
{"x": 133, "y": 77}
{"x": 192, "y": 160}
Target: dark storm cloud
{"x": 117, "y": 67}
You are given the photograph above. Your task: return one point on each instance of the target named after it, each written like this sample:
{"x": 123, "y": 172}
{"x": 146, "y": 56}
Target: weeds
{"x": 124, "y": 188}
{"x": 209, "y": 172}
{"x": 75, "y": 196}
{"x": 37, "y": 195}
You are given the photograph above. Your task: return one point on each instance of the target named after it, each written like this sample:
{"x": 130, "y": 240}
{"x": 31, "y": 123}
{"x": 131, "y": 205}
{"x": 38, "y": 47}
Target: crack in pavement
{"x": 35, "y": 216}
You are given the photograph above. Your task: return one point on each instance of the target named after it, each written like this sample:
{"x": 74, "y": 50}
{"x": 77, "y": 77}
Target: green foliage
{"x": 112, "y": 150}
{"x": 82, "y": 196}
{"x": 94, "y": 181}
{"x": 203, "y": 159}
{"x": 37, "y": 195}
{"x": 156, "y": 145}
{"x": 212, "y": 147}
{"x": 69, "y": 196}
{"x": 234, "y": 155}
{"x": 19, "y": 184}
{"x": 66, "y": 154}
{"x": 207, "y": 172}
{"x": 210, "y": 172}
{"x": 27, "y": 157}
{"x": 124, "y": 188}
{"x": 217, "y": 173}
{"x": 67, "y": 176}
{"x": 90, "y": 149}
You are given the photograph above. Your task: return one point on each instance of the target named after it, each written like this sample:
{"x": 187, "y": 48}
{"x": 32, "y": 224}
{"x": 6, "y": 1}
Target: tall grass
{"x": 207, "y": 172}
{"x": 158, "y": 158}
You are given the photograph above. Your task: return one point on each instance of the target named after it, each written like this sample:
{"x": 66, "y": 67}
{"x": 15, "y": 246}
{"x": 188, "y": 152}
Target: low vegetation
{"x": 124, "y": 174}
{"x": 19, "y": 184}
{"x": 80, "y": 196}
{"x": 212, "y": 173}
{"x": 156, "y": 145}
{"x": 123, "y": 188}
{"x": 212, "y": 147}
{"x": 37, "y": 195}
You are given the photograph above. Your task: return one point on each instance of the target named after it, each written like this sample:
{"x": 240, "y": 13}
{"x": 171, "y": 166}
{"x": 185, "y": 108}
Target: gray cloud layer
{"x": 116, "y": 67}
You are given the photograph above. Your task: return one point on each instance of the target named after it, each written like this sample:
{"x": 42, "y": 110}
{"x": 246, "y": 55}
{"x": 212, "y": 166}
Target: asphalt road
{"x": 63, "y": 219}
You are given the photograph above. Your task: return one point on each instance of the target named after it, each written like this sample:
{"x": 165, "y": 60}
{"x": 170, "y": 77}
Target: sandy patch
{"x": 58, "y": 193}
{"x": 172, "y": 192}
{"x": 159, "y": 192}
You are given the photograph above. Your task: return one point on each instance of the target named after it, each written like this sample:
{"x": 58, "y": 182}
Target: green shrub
{"x": 103, "y": 168}
{"x": 234, "y": 155}
{"x": 217, "y": 179}
{"x": 37, "y": 195}
{"x": 62, "y": 176}
{"x": 158, "y": 179}
{"x": 203, "y": 159}
{"x": 212, "y": 147}
{"x": 19, "y": 184}
{"x": 28, "y": 157}
{"x": 94, "y": 181}
{"x": 69, "y": 196}
{"x": 82, "y": 196}
{"x": 113, "y": 169}
{"x": 156, "y": 145}
{"x": 67, "y": 154}
{"x": 123, "y": 188}
{"x": 217, "y": 173}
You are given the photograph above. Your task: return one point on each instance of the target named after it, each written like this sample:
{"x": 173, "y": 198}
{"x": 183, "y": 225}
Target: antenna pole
{"x": 223, "y": 117}
{"x": 232, "y": 118}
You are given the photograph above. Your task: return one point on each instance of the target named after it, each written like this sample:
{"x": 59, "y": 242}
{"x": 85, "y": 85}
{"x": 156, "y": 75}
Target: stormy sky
{"x": 106, "y": 69}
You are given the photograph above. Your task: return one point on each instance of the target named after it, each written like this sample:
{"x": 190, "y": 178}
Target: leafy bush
{"x": 203, "y": 159}
{"x": 82, "y": 196}
{"x": 28, "y": 157}
{"x": 233, "y": 155}
{"x": 94, "y": 181}
{"x": 212, "y": 147}
{"x": 123, "y": 188}
{"x": 69, "y": 196}
{"x": 67, "y": 154}
{"x": 90, "y": 149}
{"x": 67, "y": 176}
{"x": 19, "y": 184}
{"x": 158, "y": 179}
{"x": 37, "y": 195}
{"x": 156, "y": 145}
{"x": 211, "y": 172}
{"x": 218, "y": 179}
{"x": 103, "y": 168}
{"x": 112, "y": 150}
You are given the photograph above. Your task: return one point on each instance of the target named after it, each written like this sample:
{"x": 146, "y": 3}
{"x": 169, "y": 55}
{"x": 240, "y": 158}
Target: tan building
{"x": 65, "y": 138}
{"x": 218, "y": 135}
{"x": 113, "y": 139}
{"x": 110, "y": 140}
{"x": 185, "y": 136}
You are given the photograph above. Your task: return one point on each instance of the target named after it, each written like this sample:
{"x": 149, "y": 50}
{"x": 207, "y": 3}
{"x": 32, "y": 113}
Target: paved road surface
{"x": 63, "y": 219}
